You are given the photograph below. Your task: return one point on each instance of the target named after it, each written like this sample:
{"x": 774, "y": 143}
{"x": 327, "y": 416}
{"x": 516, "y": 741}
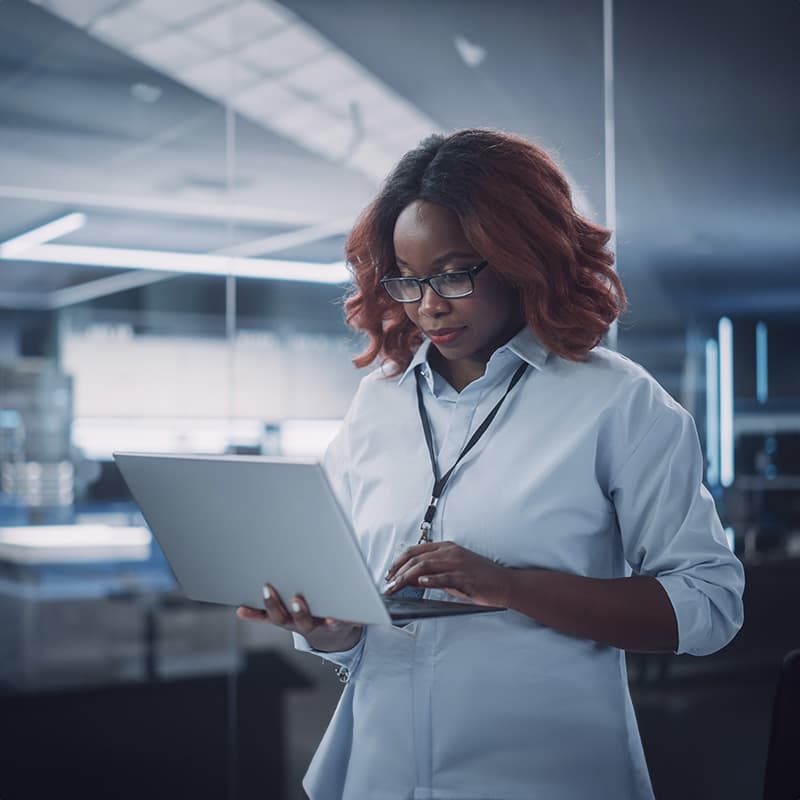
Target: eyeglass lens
{"x": 448, "y": 285}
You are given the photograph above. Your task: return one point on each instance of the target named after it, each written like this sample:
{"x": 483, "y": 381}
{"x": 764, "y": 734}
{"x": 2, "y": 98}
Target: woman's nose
{"x": 431, "y": 305}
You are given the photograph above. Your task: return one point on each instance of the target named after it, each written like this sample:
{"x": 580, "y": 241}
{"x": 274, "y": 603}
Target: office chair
{"x": 782, "y": 774}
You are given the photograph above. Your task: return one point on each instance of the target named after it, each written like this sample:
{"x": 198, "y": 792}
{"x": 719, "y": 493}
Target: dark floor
{"x": 706, "y": 742}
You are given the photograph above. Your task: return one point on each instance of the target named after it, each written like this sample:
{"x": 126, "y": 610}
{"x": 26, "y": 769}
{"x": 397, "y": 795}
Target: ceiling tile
{"x": 301, "y": 118}
{"x": 128, "y": 27}
{"x": 219, "y": 78}
{"x": 265, "y": 100}
{"x": 172, "y": 53}
{"x": 178, "y": 11}
{"x": 332, "y": 72}
{"x": 287, "y": 49}
{"x": 239, "y": 24}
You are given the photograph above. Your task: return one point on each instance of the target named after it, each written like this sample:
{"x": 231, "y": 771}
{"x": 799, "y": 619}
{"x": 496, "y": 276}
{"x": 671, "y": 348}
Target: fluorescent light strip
{"x": 14, "y": 248}
{"x": 762, "y": 388}
{"x": 41, "y": 544}
{"x": 730, "y": 535}
{"x": 181, "y": 206}
{"x": 712, "y": 412}
{"x": 725, "y": 332}
{"x": 189, "y": 263}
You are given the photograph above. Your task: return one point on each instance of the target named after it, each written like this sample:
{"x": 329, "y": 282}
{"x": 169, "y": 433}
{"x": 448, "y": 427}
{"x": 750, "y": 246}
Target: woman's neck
{"x": 459, "y": 374}
{"x": 463, "y": 371}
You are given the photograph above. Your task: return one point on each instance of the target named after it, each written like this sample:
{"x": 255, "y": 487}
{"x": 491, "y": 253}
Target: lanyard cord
{"x": 441, "y": 482}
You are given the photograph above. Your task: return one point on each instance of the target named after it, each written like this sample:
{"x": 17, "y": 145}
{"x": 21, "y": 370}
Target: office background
{"x": 176, "y": 183}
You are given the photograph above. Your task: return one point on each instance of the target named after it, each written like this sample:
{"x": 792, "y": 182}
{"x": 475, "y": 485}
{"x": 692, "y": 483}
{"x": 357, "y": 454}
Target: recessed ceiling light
{"x": 472, "y": 54}
{"x": 145, "y": 93}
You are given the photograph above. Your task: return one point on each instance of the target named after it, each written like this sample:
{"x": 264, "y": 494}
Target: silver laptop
{"x": 229, "y": 524}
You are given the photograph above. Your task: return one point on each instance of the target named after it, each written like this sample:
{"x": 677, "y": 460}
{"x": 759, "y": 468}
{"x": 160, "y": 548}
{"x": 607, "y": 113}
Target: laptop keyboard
{"x": 396, "y": 605}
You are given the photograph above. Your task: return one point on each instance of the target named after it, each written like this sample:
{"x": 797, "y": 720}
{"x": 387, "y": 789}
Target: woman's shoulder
{"x": 377, "y": 386}
{"x": 612, "y": 379}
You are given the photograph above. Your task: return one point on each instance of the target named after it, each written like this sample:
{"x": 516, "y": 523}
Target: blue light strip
{"x": 762, "y": 390}
{"x": 725, "y": 333}
{"x": 712, "y": 412}
{"x": 730, "y": 535}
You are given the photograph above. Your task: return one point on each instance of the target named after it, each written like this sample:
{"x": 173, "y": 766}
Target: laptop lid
{"x": 229, "y": 524}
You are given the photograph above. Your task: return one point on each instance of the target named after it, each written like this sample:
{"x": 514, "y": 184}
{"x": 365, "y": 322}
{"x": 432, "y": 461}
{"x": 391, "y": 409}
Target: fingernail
{"x": 424, "y": 579}
{"x": 296, "y": 607}
{"x": 391, "y": 585}
{"x": 267, "y": 593}
{"x": 333, "y": 625}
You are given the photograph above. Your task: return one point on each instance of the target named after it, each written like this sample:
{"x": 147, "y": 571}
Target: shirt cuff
{"x": 708, "y": 618}
{"x": 347, "y": 661}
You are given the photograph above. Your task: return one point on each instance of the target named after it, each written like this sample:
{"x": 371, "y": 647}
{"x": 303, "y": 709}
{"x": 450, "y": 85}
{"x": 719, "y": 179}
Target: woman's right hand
{"x": 322, "y": 633}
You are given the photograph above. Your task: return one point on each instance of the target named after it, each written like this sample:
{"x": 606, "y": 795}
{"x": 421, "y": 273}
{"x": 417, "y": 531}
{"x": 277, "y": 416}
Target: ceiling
{"x": 706, "y": 129}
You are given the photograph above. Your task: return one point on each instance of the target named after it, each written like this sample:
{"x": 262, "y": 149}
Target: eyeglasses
{"x": 449, "y": 285}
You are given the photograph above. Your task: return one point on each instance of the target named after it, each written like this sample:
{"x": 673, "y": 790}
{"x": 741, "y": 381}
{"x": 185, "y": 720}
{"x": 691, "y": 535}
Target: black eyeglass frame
{"x": 471, "y": 272}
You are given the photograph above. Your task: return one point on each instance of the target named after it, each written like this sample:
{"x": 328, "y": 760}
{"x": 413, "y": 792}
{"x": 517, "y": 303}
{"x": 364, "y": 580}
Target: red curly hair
{"x": 515, "y": 208}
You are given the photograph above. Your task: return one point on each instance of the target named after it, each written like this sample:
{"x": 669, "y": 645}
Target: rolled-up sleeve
{"x": 670, "y": 530}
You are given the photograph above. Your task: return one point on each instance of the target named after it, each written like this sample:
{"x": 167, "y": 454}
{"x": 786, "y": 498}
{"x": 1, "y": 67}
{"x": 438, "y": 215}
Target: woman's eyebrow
{"x": 442, "y": 259}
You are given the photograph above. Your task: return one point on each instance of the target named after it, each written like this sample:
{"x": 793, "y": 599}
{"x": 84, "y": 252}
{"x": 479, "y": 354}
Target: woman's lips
{"x": 445, "y": 335}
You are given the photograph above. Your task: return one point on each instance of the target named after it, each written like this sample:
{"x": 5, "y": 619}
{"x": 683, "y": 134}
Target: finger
{"x": 442, "y": 580}
{"x": 451, "y": 582}
{"x": 302, "y": 620}
{"x": 412, "y": 552}
{"x": 252, "y": 614}
{"x": 412, "y": 574}
{"x": 276, "y": 611}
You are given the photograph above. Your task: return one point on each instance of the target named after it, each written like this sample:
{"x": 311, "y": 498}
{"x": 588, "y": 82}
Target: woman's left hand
{"x": 448, "y": 566}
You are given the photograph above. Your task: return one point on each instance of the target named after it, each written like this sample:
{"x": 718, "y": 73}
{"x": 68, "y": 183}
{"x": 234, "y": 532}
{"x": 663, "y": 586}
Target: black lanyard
{"x": 441, "y": 482}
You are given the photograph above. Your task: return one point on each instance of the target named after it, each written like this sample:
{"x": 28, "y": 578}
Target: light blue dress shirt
{"x": 589, "y": 468}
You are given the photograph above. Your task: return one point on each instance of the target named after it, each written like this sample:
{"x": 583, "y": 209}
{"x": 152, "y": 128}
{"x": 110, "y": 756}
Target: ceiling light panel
{"x": 189, "y": 263}
{"x": 287, "y": 49}
{"x": 128, "y": 27}
{"x": 241, "y": 24}
{"x": 219, "y": 77}
{"x": 265, "y": 101}
{"x": 302, "y": 117}
{"x": 272, "y": 67}
{"x": 331, "y": 72}
{"x": 177, "y": 12}
{"x": 173, "y": 53}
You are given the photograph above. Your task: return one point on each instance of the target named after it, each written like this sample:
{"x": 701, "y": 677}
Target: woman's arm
{"x": 631, "y": 613}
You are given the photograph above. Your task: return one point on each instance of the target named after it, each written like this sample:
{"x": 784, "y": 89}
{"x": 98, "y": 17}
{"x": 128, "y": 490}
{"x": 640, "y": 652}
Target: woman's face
{"x": 428, "y": 240}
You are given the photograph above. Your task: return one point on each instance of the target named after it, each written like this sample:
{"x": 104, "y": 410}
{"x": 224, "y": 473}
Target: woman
{"x": 580, "y": 508}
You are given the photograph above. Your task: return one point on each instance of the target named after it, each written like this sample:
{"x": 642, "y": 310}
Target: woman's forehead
{"x": 426, "y": 232}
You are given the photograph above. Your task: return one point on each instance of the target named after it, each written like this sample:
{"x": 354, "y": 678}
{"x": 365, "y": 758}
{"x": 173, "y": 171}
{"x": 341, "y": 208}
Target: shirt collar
{"x": 524, "y": 345}
{"x": 420, "y": 357}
